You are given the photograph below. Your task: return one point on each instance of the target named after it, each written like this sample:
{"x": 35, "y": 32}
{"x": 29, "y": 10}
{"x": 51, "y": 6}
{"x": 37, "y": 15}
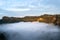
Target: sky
{"x": 29, "y": 7}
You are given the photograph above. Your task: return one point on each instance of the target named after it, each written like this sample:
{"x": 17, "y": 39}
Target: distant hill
{"x": 55, "y": 19}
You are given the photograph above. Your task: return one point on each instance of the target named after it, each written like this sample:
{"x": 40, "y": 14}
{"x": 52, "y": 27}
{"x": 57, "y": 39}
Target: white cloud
{"x": 17, "y": 9}
{"x": 27, "y": 5}
{"x": 1, "y": 3}
{"x": 32, "y": 6}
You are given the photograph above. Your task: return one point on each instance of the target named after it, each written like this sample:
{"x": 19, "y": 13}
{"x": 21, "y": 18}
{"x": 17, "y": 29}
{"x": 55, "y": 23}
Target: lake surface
{"x": 30, "y": 31}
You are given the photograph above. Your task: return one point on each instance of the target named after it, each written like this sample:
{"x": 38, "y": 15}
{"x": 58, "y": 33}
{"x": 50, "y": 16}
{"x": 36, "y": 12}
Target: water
{"x": 30, "y": 31}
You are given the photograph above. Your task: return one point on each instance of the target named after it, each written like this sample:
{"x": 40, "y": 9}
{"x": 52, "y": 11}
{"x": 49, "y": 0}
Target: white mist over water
{"x": 30, "y": 31}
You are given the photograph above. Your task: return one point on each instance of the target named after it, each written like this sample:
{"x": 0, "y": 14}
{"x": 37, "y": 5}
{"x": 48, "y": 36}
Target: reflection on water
{"x": 30, "y": 31}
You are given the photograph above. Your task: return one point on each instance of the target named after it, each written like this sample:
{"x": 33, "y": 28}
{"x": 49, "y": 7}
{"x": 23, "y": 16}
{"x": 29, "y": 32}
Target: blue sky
{"x": 29, "y": 7}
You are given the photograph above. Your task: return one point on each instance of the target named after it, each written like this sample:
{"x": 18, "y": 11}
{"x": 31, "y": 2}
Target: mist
{"x": 30, "y": 31}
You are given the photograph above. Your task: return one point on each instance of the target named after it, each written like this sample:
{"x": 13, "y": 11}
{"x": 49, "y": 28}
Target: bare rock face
{"x": 55, "y": 19}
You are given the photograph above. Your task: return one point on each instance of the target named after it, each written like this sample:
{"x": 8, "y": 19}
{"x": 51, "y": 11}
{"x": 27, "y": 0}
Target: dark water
{"x": 30, "y": 31}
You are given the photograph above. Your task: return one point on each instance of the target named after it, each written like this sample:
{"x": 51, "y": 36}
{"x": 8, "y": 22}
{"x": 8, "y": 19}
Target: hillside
{"x": 55, "y": 19}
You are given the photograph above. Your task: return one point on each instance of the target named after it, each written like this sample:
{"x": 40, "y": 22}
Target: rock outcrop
{"x": 2, "y": 36}
{"x": 55, "y": 19}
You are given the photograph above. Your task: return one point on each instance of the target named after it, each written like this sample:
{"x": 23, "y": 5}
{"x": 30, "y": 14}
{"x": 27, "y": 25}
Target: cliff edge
{"x": 55, "y": 19}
